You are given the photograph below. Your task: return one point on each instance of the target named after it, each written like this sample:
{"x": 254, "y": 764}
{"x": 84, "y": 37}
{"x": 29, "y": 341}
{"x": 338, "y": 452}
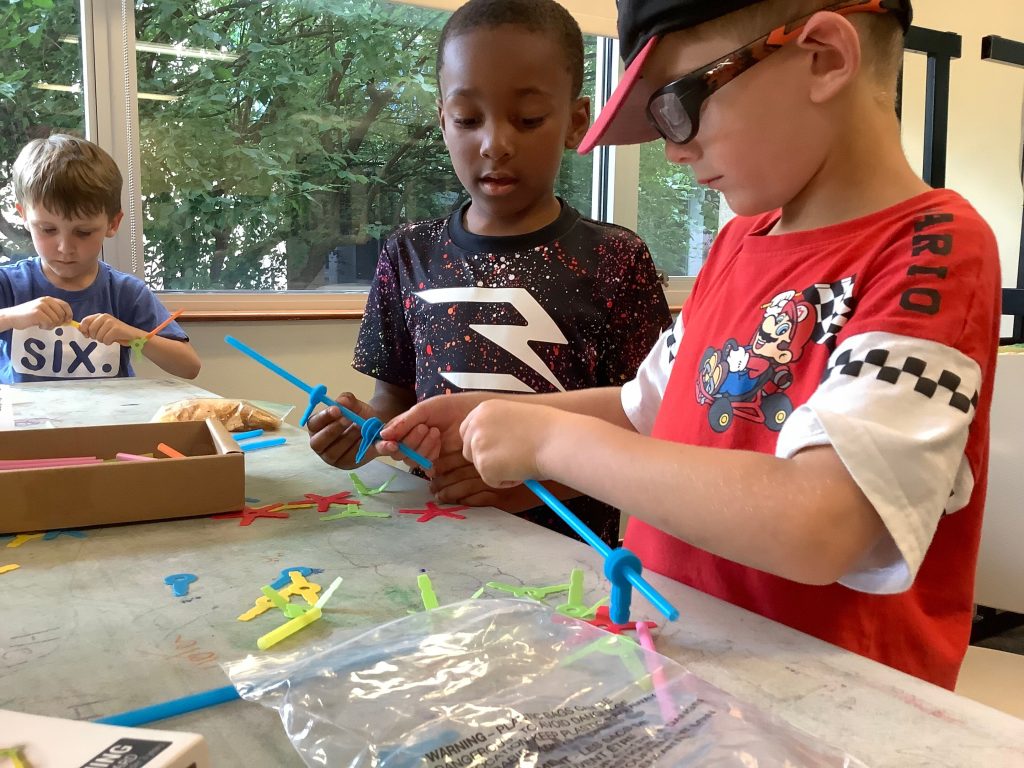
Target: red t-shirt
{"x": 876, "y": 336}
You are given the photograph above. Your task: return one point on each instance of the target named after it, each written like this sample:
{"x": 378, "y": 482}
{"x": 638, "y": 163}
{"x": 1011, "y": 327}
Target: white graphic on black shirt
{"x": 514, "y": 339}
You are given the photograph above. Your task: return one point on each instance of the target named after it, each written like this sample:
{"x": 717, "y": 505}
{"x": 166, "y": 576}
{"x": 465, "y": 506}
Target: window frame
{"x": 110, "y": 93}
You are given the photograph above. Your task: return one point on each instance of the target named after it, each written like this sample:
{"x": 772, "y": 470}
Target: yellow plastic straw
{"x": 289, "y": 628}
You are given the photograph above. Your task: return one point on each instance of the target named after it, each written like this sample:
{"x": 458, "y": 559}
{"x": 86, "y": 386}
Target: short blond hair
{"x": 881, "y": 34}
{"x": 69, "y": 176}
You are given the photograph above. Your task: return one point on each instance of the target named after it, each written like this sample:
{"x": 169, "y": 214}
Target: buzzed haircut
{"x": 881, "y": 34}
{"x": 68, "y": 176}
{"x": 541, "y": 16}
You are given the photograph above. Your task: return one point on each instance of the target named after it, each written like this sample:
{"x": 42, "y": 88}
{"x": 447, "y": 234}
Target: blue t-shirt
{"x": 64, "y": 353}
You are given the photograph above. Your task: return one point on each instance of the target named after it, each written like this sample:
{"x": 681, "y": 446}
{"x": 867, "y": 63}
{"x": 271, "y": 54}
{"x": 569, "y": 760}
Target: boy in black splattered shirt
{"x": 516, "y": 291}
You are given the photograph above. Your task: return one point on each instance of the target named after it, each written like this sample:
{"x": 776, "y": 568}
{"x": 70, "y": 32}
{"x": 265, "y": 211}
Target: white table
{"x": 89, "y": 629}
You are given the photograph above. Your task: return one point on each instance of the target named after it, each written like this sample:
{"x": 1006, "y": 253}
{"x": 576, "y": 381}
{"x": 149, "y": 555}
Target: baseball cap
{"x": 642, "y": 23}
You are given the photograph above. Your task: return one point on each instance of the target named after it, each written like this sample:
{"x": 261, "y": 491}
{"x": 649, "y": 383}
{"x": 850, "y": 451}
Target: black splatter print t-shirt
{"x": 574, "y": 305}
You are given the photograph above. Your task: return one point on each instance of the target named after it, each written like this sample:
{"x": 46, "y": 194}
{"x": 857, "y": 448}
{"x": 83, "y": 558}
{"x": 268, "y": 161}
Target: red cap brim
{"x": 623, "y": 120}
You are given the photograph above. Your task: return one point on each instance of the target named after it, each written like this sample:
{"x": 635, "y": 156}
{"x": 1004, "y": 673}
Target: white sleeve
{"x": 641, "y": 397}
{"x": 897, "y": 410}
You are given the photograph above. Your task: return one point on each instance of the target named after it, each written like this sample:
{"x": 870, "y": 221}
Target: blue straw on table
{"x": 172, "y": 708}
{"x": 255, "y": 445}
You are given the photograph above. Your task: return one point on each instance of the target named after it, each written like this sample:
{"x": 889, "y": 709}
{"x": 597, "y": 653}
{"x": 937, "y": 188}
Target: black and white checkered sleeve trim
{"x": 907, "y": 370}
{"x": 897, "y": 410}
{"x": 641, "y": 397}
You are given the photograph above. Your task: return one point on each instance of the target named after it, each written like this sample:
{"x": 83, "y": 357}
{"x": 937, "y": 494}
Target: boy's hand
{"x": 46, "y": 312}
{"x": 456, "y": 481}
{"x": 441, "y": 417}
{"x": 503, "y": 439}
{"x": 107, "y": 329}
{"x": 336, "y": 439}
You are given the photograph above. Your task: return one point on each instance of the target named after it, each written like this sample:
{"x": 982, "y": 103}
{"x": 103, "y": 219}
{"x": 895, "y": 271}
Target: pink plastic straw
{"x": 668, "y": 709}
{"x": 133, "y": 457}
{"x": 66, "y": 461}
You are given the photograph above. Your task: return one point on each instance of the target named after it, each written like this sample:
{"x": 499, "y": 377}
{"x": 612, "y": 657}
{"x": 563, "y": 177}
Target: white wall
{"x": 983, "y": 164}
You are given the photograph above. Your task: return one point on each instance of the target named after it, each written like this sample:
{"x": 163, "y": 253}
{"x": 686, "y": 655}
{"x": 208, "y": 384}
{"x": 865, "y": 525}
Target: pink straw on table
{"x": 668, "y": 709}
{"x": 133, "y": 457}
{"x": 65, "y": 461}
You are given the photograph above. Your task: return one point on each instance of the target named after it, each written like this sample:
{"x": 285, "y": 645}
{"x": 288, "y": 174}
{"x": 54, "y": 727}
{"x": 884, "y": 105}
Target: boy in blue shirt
{"x": 66, "y": 314}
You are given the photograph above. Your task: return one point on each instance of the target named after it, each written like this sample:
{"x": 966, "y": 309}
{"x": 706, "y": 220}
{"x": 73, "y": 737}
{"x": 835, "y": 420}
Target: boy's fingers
{"x": 427, "y": 448}
{"x": 459, "y": 491}
{"x": 486, "y": 498}
{"x": 342, "y": 451}
{"x": 449, "y": 462}
{"x": 355, "y": 405}
{"x": 322, "y": 419}
{"x": 463, "y": 473}
{"x": 322, "y": 440}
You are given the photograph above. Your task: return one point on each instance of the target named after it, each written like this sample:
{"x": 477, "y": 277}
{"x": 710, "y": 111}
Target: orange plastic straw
{"x": 174, "y": 316}
{"x": 165, "y": 449}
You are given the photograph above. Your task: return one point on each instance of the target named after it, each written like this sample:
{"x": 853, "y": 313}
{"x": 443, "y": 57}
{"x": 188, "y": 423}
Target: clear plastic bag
{"x": 508, "y": 683}
{"x": 235, "y": 415}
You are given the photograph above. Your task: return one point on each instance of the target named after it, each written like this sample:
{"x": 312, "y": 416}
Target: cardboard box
{"x": 50, "y": 742}
{"x": 210, "y": 480}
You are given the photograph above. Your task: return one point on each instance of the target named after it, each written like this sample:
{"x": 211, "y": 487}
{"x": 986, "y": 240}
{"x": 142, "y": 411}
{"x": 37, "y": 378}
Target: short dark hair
{"x": 543, "y": 16}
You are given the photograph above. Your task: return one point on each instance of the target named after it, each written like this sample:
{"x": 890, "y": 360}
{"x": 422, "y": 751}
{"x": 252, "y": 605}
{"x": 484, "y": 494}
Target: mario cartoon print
{"x": 749, "y": 382}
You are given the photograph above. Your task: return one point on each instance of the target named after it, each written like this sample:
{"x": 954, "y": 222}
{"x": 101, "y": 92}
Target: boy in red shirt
{"x": 819, "y": 412}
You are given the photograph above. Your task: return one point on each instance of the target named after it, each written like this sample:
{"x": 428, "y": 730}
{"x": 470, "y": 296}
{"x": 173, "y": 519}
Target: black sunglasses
{"x": 674, "y": 110}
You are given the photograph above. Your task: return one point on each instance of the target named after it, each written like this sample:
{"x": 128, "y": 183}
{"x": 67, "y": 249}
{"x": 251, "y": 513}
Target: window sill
{"x": 255, "y": 307}
{"x": 297, "y": 305}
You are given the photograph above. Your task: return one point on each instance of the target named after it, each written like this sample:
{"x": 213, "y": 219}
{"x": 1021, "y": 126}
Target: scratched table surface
{"x": 88, "y": 628}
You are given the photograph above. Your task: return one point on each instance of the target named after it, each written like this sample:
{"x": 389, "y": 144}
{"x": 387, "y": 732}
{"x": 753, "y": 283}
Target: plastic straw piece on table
{"x": 165, "y": 449}
{"x": 668, "y": 709}
{"x": 289, "y": 628}
{"x": 370, "y": 428}
{"x": 174, "y": 316}
{"x": 133, "y": 457}
{"x": 327, "y": 593}
{"x": 248, "y": 435}
{"x": 427, "y": 592}
{"x": 69, "y": 461}
{"x": 621, "y": 577}
{"x": 258, "y": 444}
{"x": 172, "y": 708}
{"x": 279, "y": 601}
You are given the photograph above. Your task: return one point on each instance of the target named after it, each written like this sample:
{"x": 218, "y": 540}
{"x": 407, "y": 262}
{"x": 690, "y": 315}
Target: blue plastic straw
{"x": 172, "y": 708}
{"x": 248, "y": 435}
{"x": 255, "y": 445}
{"x": 638, "y": 581}
{"x": 318, "y": 395}
{"x": 570, "y": 518}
